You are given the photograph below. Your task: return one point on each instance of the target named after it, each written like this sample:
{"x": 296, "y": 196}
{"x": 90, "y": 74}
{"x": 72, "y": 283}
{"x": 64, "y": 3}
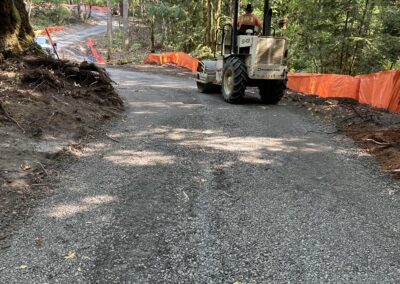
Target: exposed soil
{"x": 48, "y": 109}
{"x": 375, "y": 130}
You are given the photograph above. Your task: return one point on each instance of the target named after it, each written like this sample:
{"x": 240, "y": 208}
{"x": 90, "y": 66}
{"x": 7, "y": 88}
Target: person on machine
{"x": 249, "y": 21}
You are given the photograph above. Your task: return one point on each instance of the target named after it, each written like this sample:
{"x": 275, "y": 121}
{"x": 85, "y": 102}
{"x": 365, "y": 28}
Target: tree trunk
{"x": 79, "y": 7}
{"x": 152, "y": 35}
{"x": 29, "y": 5}
{"x": 344, "y": 42}
{"x": 15, "y": 31}
{"x": 126, "y": 24}
{"x": 232, "y": 10}
{"x": 217, "y": 22}
{"x": 208, "y": 28}
{"x": 163, "y": 31}
{"x": 363, "y": 23}
{"x": 109, "y": 30}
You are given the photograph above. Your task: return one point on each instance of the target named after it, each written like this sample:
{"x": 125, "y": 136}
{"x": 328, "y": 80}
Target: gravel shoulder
{"x": 193, "y": 190}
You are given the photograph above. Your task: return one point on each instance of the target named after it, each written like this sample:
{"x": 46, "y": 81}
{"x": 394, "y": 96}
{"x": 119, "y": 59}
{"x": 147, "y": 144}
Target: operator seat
{"x": 243, "y": 28}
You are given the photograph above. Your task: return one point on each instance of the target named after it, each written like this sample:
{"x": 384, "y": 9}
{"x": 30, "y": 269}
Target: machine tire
{"x": 208, "y": 88}
{"x": 234, "y": 80}
{"x": 271, "y": 92}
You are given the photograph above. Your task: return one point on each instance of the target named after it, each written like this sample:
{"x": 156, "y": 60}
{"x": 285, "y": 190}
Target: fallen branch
{"x": 362, "y": 116}
{"x": 27, "y": 213}
{"x": 104, "y": 133}
{"x": 227, "y": 194}
{"x": 38, "y": 85}
{"x": 377, "y": 142}
{"x": 44, "y": 170}
{"x": 11, "y": 118}
{"x": 393, "y": 171}
{"x": 115, "y": 140}
{"x": 348, "y": 118}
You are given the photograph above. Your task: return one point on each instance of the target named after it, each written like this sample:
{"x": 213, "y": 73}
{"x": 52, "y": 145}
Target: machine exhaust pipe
{"x": 267, "y": 19}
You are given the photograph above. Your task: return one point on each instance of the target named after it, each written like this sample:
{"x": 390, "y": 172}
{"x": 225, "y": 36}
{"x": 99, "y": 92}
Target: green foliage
{"x": 50, "y": 16}
{"x": 343, "y": 36}
{"x": 202, "y": 52}
{"x": 327, "y": 36}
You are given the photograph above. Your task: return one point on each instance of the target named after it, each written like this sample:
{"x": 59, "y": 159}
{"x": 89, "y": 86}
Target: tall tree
{"x": 125, "y": 11}
{"x": 109, "y": 30}
{"x": 15, "y": 30}
{"x": 79, "y": 7}
{"x": 328, "y": 36}
{"x": 209, "y": 24}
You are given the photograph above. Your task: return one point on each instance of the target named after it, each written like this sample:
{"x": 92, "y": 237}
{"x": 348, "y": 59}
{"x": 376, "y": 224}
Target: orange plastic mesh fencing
{"x": 87, "y": 7}
{"x": 325, "y": 85}
{"x": 49, "y": 29}
{"x": 91, "y": 45}
{"x": 380, "y": 90}
{"x": 179, "y": 58}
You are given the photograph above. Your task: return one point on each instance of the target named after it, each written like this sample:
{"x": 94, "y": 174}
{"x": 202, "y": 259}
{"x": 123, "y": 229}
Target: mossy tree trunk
{"x": 15, "y": 31}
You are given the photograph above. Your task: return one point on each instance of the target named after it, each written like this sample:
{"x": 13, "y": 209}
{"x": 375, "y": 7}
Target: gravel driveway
{"x": 200, "y": 191}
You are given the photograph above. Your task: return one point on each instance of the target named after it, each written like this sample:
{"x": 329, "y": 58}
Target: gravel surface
{"x": 72, "y": 42}
{"x": 199, "y": 191}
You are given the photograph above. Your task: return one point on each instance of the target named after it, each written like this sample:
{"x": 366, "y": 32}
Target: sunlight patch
{"x": 140, "y": 158}
{"x": 86, "y": 204}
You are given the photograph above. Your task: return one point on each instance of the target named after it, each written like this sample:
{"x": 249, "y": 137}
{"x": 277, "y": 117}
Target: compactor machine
{"x": 246, "y": 59}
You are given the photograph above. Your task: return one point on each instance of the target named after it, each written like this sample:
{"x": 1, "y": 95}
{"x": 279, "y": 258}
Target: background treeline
{"x": 327, "y": 36}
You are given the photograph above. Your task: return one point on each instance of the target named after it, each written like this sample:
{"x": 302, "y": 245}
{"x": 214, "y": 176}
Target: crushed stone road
{"x": 199, "y": 191}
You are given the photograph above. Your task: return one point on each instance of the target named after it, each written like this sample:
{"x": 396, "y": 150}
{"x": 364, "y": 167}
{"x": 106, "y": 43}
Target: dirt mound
{"x": 48, "y": 109}
{"x": 43, "y": 94}
{"x": 375, "y": 130}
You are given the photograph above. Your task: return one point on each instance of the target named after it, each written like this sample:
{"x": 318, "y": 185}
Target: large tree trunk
{"x": 109, "y": 30}
{"x": 15, "y": 31}
{"x": 29, "y": 4}
{"x": 125, "y": 8}
{"x": 79, "y": 7}
{"x": 209, "y": 23}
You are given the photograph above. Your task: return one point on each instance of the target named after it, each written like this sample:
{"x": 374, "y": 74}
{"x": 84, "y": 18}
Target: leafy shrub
{"x": 203, "y": 52}
{"x": 50, "y": 16}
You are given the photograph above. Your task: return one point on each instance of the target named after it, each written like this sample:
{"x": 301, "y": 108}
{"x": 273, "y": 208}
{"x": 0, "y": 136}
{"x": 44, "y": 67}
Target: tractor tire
{"x": 208, "y": 88}
{"x": 272, "y": 92}
{"x": 234, "y": 80}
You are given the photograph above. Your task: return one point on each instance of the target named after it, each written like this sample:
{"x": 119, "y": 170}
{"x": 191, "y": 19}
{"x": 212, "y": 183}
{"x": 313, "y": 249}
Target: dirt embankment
{"x": 48, "y": 109}
{"x": 377, "y": 131}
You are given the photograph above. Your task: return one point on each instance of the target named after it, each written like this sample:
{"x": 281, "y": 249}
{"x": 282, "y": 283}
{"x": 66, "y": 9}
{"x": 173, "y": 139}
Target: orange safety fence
{"x": 91, "y": 46}
{"x": 179, "y": 58}
{"x": 49, "y": 29}
{"x": 380, "y": 90}
{"x": 325, "y": 85}
{"x": 87, "y": 7}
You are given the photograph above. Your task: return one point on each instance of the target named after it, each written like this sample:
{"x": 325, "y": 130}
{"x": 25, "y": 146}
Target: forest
{"x": 325, "y": 36}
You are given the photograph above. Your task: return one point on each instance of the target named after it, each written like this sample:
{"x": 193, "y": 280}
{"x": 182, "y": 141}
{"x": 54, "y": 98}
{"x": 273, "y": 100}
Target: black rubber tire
{"x": 236, "y": 67}
{"x": 208, "y": 88}
{"x": 271, "y": 92}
